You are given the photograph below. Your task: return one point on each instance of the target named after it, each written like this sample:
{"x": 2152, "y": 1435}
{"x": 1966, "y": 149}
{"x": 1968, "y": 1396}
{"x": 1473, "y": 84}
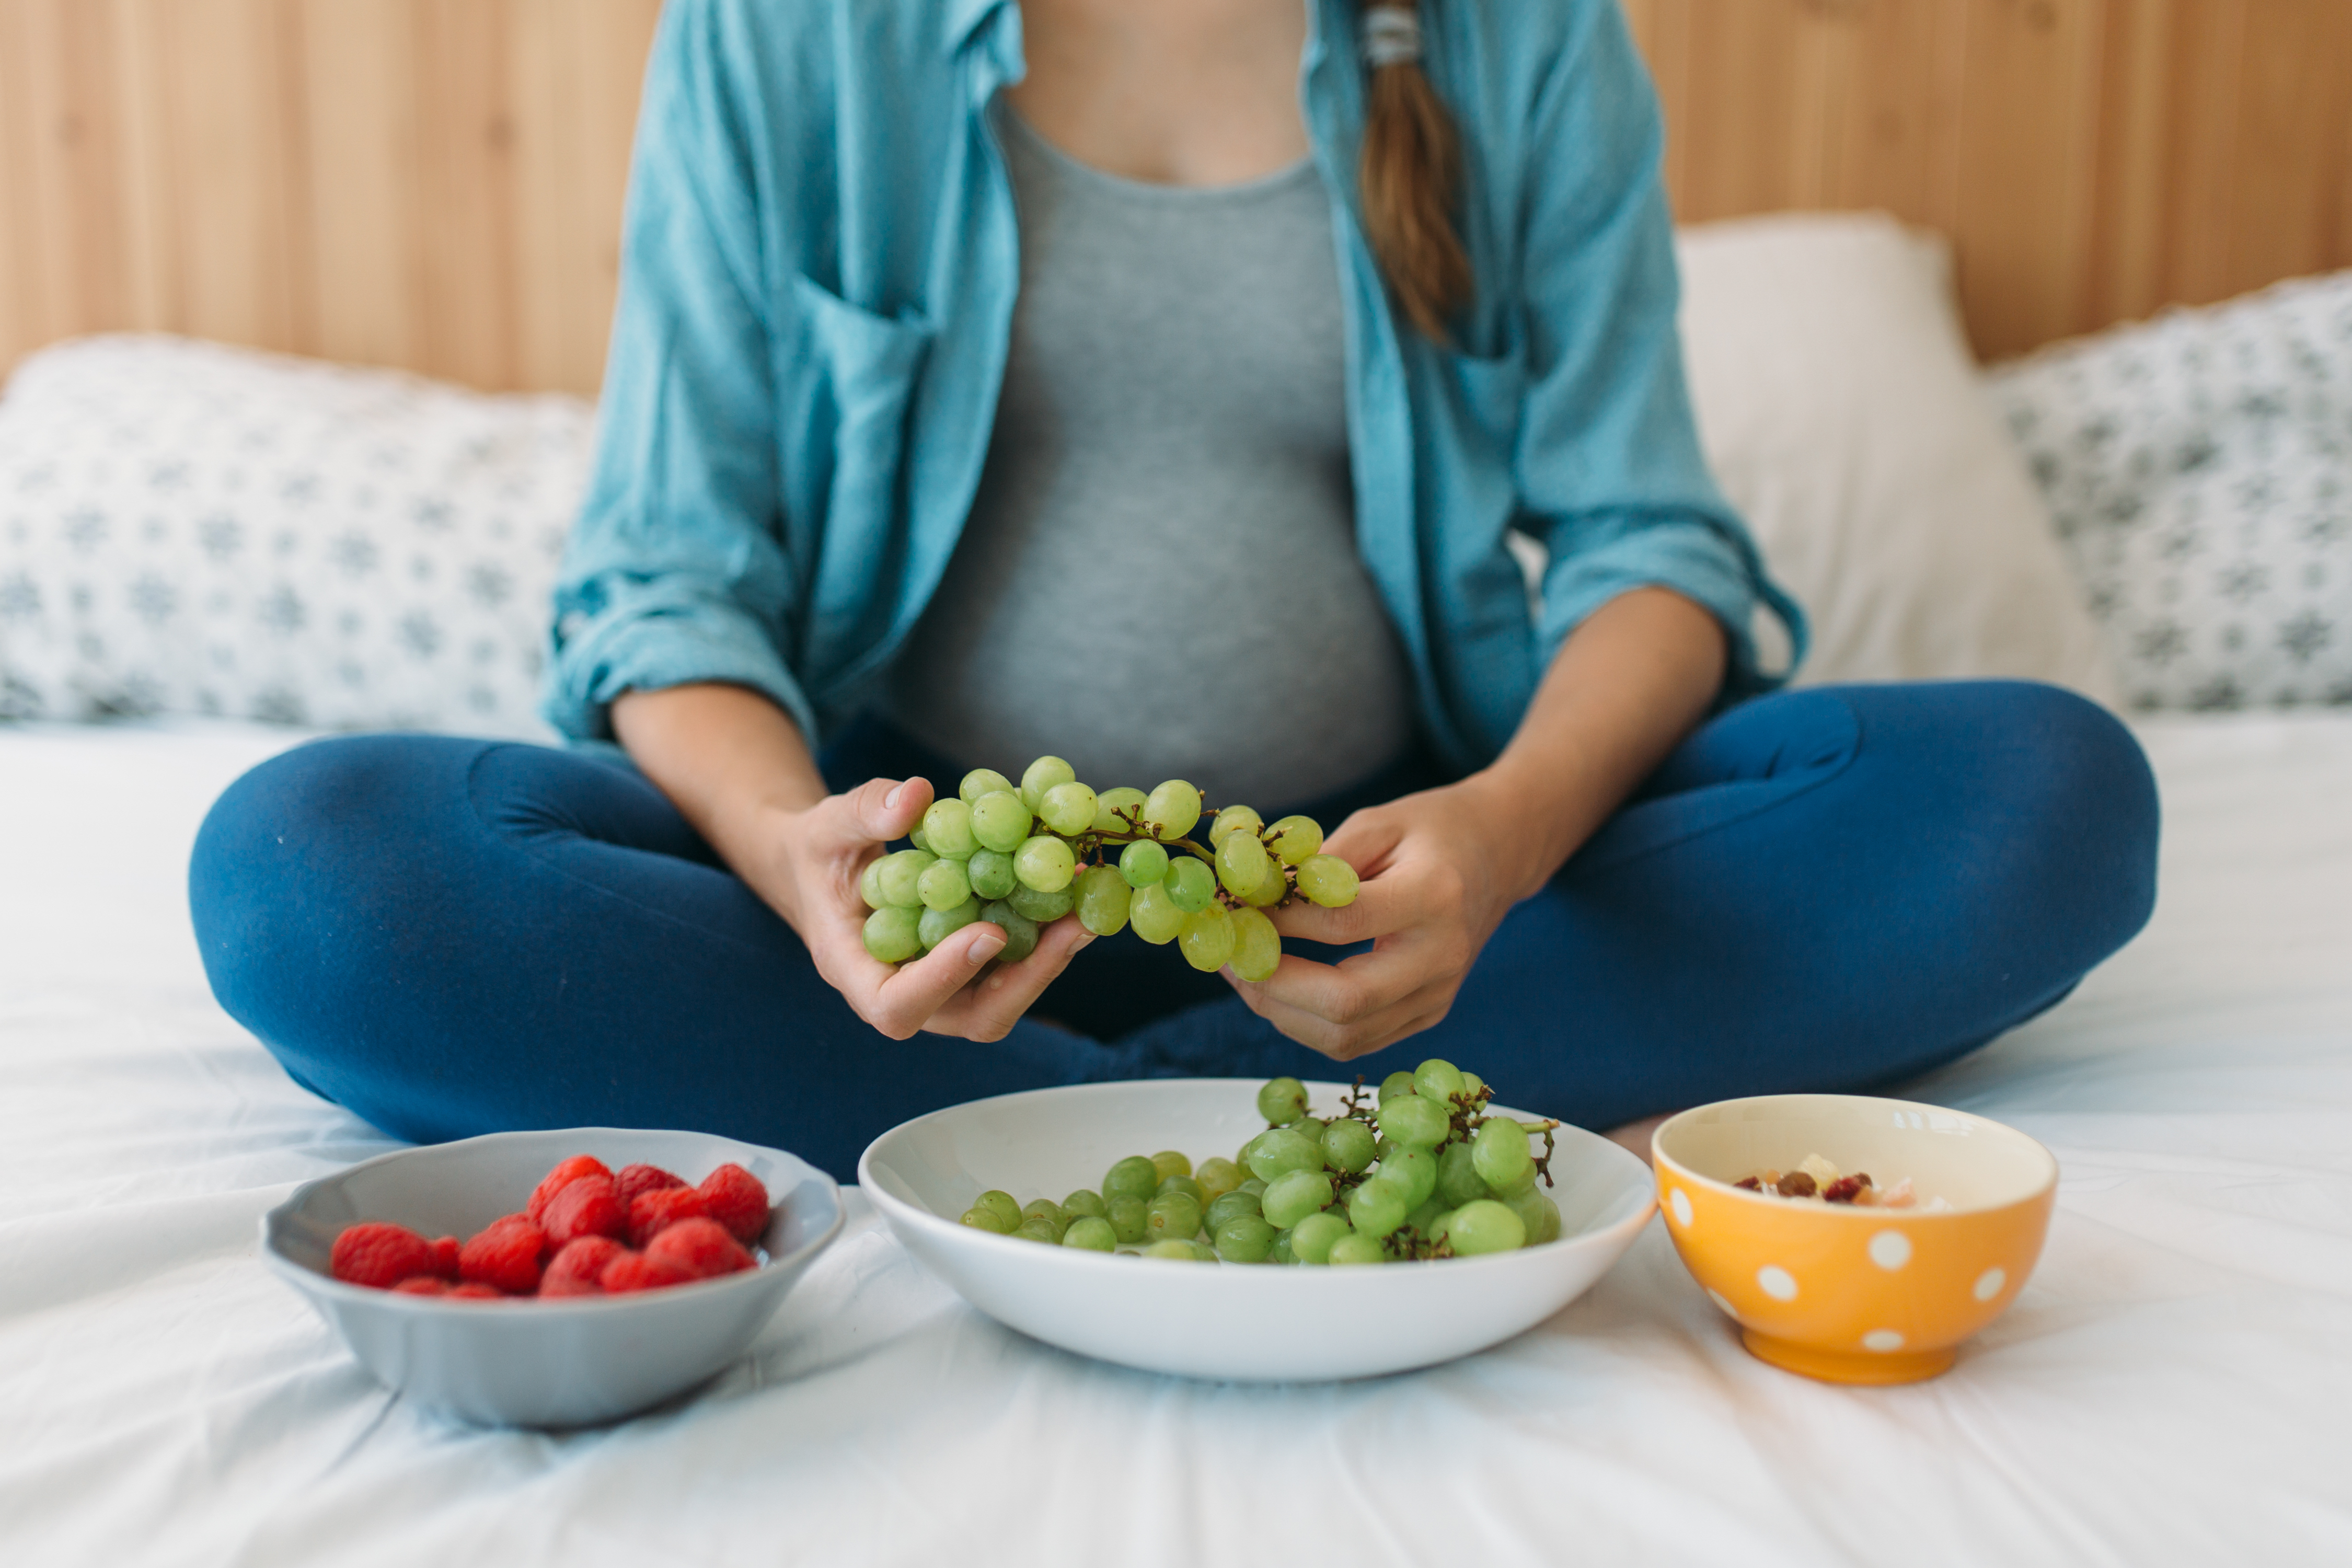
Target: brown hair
{"x": 1410, "y": 178}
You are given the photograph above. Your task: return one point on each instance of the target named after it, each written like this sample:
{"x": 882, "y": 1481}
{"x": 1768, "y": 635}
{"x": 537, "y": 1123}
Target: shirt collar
{"x": 965, "y": 18}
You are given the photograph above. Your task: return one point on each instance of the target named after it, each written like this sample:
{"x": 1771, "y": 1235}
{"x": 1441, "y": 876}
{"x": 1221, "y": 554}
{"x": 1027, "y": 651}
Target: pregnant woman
{"x": 1158, "y": 386}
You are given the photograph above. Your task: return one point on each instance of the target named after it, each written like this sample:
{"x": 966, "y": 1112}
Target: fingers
{"x": 881, "y": 810}
{"x": 1345, "y": 1042}
{"x": 989, "y": 1010}
{"x": 1356, "y": 1005}
{"x": 905, "y": 1000}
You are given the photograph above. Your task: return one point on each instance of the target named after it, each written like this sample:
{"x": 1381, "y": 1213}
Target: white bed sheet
{"x": 2174, "y": 1386}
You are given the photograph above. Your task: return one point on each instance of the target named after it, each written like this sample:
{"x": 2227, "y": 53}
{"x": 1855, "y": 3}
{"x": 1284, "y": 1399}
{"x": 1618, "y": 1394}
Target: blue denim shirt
{"x": 819, "y": 265}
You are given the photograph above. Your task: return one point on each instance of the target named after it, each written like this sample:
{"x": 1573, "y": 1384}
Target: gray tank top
{"x": 1159, "y": 578}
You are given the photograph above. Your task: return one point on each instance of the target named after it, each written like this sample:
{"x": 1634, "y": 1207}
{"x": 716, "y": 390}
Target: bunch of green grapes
{"x": 1425, "y": 1171}
{"x": 1022, "y": 856}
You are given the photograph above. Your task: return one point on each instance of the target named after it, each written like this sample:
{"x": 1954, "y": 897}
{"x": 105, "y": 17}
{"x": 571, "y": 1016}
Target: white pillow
{"x": 187, "y": 528}
{"x": 2200, "y": 466}
{"x": 1840, "y": 409}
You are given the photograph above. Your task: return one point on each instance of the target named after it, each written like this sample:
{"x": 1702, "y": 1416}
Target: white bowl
{"x": 1217, "y": 1321}
{"x": 566, "y": 1362}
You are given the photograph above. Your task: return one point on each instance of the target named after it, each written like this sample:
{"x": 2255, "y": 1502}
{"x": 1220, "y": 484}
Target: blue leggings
{"x": 1826, "y": 889}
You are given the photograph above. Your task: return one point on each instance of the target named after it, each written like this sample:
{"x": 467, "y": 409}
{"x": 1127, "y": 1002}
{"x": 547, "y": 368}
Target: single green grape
{"x": 1068, "y": 808}
{"x": 1280, "y": 1252}
{"x": 1172, "y": 1215}
{"x": 1234, "y": 819}
{"x": 1356, "y": 1248}
{"x": 1085, "y": 1201}
{"x": 1270, "y": 892}
{"x": 1327, "y": 880}
{"x": 1348, "y": 1145}
{"x": 915, "y": 837}
{"x": 1143, "y": 863}
{"x": 982, "y": 782}
{"x": 1292, "y": 1198}
{"x": 899, "y": 876}
{"x": 1217, "y": 1176}
{"x": 1171, "y": 1162}
{"x": 1185, "y": 1184}
{"x": 1278, "y": 1152}
{"x": 987, "y": 1220}
{"x": 1133, "y": 1177}
{"x": 869, "y": 884}
{"x": 936, "y": 926}
{"x": 1293, "y": 838}
{"x": 1207, "y": 939}
{"x": 1471, "y": 1082}
{"x": 1047, "y": 1210}
{"x": 1257, "y": 946}
{"x": 1254, "y": 1186}
{"x": 1411, "y": 1122}
{"x": 1437, "y": 1079}
{"x": 1245, "y": 1238}
{"x": 1378, "y": 1206}
{"x": 1396, "y": 1083}
{"x": 894, "y": 935}
{"x": 1043, "y": 907}
{"x": 1427, "y": 1212}
{"x": 1170, "y": 810}
{"x": 1020, "y": 930}
{"x": 1414, "y": 1171}
{"x": 947, "y": 829}
{"x": 1092, "y": 1233}
{"x": 999, "y": 821}
{"x": 1282, "y": 1099}
{"x": 1155, "y": 916}
{"x": 1505, "y": 1161}
{"x": 1103, "y": 901}
{"x": 989, "y": 871}
{"x": 1311, "y": 1238}
{"x": 1190, "y": 883}
{"x": 1182, "y": 1251}
{"x": 1458, "y": 1181}
{"x": 1538, "y": 1214}
{"x": 943, "y": 885}
{"x": 1310, "y": 1126}
{"x": 1045, "y": 864}
{"x": 1241, "y": 863}
{"x": 1041, "y": 775}
{"x": 1116, "y": 809}
{"x": 1221, "y": 1209}
{"x": 1484, "y": 1225}
{"x": 1038, "y": 1230}
{"x": 1002, "y": 1203}
{"x": 1128, "y": 1218}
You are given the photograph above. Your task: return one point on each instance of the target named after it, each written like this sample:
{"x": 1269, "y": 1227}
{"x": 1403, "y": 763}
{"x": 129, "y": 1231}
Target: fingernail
{"x": 983, "y": 949}
{"x": 890, "y": 801}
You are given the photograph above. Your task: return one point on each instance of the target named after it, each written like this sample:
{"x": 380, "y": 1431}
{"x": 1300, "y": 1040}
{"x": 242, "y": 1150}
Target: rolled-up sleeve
{"x": 1607, "y": 454}
{"x": 678, "y": 569}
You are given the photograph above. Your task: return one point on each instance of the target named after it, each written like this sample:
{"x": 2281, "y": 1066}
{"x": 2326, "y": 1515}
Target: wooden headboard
{"x": 438, "y": 183}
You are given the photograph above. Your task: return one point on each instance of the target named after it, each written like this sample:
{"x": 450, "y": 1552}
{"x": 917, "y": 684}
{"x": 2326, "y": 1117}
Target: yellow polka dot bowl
{"x": 1841, "y": 1292}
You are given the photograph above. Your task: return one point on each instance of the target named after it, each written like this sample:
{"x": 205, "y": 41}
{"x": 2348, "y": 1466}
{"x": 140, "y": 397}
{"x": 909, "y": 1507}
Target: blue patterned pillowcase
{"x": 2199, "y": 471}
{"x": 186, "y": 528}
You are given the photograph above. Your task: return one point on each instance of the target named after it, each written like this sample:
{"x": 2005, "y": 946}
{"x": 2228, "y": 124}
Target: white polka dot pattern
{"x": 1881, "y": 1341}
{"x": 1679, "y": 1201}
{"x": 1724, "y": 1301}
{"x": 1989, "y": 1282}
{"x": 1890, "y": 1249}
{"x": 1776, "y": 1282}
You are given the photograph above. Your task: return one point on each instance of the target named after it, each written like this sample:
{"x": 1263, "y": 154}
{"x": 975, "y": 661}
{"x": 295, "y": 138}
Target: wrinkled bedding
{"x": 2174, "y": 1386}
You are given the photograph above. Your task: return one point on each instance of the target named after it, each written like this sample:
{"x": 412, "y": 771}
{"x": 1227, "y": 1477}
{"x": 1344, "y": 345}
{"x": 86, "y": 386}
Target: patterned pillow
{"x": 2199, "y": 471}
{"x": 186, "y": 528}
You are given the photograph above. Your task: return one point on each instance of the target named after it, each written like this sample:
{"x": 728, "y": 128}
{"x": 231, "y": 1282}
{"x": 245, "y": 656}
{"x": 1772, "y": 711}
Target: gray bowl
{"x": 569, "y": 1362}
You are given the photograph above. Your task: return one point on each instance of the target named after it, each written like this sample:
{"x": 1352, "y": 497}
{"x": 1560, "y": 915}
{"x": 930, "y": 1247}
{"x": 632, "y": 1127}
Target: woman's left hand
{"x": 1440, "y": 870}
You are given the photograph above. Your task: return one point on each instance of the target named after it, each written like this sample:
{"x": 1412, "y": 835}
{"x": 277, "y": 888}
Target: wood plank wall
{"x": 438, "y": 183}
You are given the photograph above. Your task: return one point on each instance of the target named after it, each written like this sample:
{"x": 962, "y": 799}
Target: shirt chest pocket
{"x": 846, "y": 383}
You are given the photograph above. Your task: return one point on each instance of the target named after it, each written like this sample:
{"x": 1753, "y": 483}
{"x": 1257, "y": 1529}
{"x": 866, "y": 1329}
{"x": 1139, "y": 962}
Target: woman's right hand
{"x": 737, "y": 768}
{"x": 810, "y": 877}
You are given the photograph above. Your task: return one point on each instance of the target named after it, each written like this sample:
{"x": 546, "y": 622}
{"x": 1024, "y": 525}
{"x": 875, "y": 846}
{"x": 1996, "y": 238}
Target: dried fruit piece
{"x": 1795, "y": 1185}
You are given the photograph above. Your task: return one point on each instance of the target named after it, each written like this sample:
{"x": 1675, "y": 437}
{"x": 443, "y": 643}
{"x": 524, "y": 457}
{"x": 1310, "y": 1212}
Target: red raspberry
{"x": 445, "y": 1257}
{"x": 379, "y": 1256}
{"x": 585, "y": 1208}
{"x": 577, "y": 1269}
{"x": 475, "y": 1290}
{"x": 636, "y": 1272}
{"x": 635, "y": 1180}
{"x": 422, "y": 1284}
{"x": 700, "y": 1246}
{"x": 562, "y": 1177}
{"x": 505, "y": 1255}
{"x": 656, "y": 1211}
{"x": 734, "y": 1198}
